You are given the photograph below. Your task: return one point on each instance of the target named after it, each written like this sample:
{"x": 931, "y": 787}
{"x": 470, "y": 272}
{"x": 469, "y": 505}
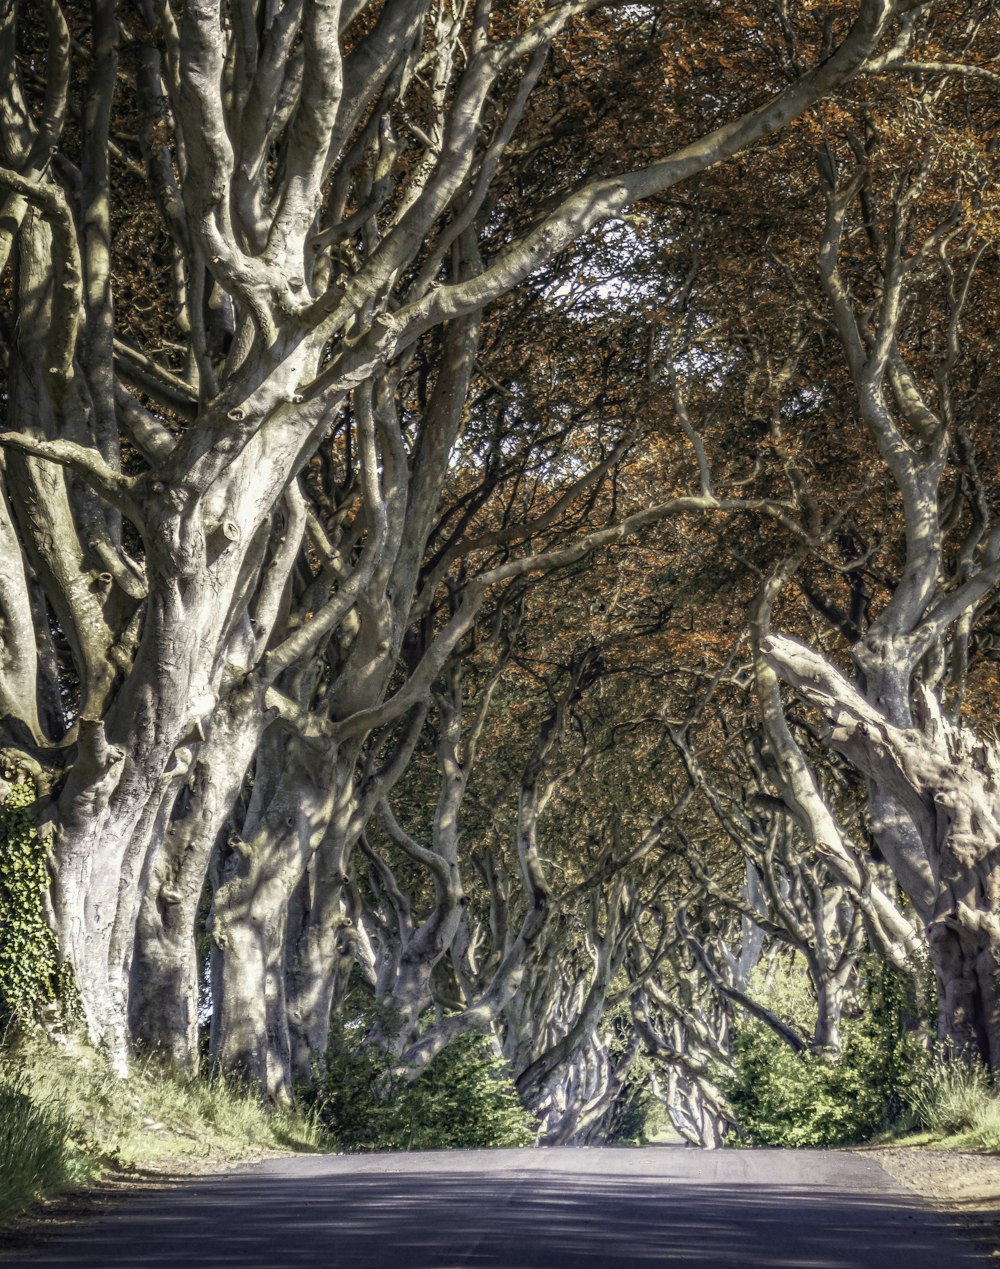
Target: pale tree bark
{"x": 689, "y": 1037}
{"x": 165, "y": 970}
{"x": 891, "y": 931}
{"x": 539, "y": 781}
{"x": 317, "y": 233}
{"x": 592, "y": 1083}
{"x": 930, "y": 776}
{"x": 571, "y": 1069}
{"x": 788, "y": 895}
{"x": 407, "y": 990}
{"x": 944, "y": 775}
{"x": 682, "y": 1019}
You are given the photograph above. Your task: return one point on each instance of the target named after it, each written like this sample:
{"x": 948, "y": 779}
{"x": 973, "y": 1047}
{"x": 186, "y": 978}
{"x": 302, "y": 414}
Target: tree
{"x": 929, "y": 773}
{"x": 331, "y": 195}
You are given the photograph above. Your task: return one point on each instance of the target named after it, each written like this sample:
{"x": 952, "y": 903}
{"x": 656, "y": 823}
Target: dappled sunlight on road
{"x": 596, "y": 1209}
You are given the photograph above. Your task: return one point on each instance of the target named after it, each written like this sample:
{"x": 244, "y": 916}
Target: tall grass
{"x": 957, "y": 1099}
{"x": 65, "y": 1117}
{"x": 35, "y": 1154}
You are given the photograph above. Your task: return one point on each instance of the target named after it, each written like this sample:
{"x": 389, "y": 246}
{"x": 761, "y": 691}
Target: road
{"x": 524, "y": 1209}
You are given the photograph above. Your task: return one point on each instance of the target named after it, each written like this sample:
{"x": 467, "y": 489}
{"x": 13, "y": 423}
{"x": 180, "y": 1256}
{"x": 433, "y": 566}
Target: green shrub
{"x": 352, "y": 1092}
{"x": 781, "y": 1098}
{"x": 35, "y": 1153}
{"x": 464, "y": 1099}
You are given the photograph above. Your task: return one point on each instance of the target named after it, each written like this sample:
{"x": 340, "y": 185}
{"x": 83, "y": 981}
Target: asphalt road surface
{"x": 524, "y": 1209}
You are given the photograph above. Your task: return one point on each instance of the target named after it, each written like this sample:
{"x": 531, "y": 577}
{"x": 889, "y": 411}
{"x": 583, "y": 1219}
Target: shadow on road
{"x": 525, "y": 1218}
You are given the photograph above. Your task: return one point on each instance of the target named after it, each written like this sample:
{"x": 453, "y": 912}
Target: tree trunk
{"x": 321, "y": 954}
{"x": 256, "y": 876}
{"x": 939, "y": 784}
{"x": 164, "y": 989}
{"x": 829, "y": 1008}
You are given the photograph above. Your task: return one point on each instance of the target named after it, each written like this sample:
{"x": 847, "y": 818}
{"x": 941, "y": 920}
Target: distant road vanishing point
{"x": 524, "y": 1209}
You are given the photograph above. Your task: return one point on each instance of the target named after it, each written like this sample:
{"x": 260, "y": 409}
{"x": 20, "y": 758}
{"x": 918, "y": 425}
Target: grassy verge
{"x": 955, "y": 1105}
{"x": 960, "y": 1103}
{"x": 66, "y": 1119}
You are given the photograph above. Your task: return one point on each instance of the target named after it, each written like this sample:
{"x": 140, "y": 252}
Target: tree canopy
{"x": 499, "y": 515}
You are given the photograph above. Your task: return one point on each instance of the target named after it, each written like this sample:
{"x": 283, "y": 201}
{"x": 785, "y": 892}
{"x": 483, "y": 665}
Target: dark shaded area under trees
{"x": 499, "y": 548}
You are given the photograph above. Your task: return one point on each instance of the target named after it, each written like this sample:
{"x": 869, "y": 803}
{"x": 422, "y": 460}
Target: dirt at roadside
{"x": 961, "y": 1183}
{"x": 64, "y": 1212}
